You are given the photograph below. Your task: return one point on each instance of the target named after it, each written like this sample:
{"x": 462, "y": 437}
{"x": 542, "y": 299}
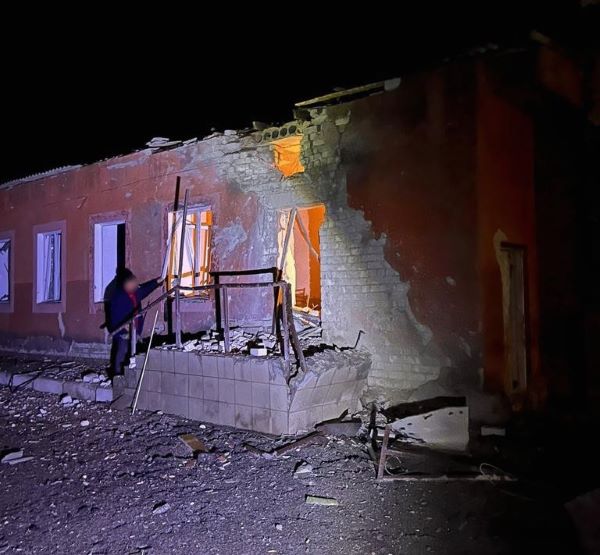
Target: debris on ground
{"x": 302, "y": 468}
{"x": 492, "y": 431}
{"x": 195, "y": 445}
{"x": 12, "y": 455}
{"x": 160, "y": 508}
{"x": 318, "y": 500}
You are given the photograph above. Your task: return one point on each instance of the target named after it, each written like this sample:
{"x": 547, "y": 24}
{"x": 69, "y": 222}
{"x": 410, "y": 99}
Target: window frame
{"x": 195, "y": 208}
{"x": 97, "y": 243}
{"x": 8, "y": 305}
{"x": 50, "y": 306}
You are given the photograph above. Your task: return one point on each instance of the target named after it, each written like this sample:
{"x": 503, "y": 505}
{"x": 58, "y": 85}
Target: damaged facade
{"x": 418, "y": 237}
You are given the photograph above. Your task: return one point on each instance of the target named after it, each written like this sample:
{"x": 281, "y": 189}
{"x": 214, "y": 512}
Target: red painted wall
{"x": 411, "y": 159}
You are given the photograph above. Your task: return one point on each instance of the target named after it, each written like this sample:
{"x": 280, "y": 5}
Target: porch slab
{"x": 249, "y": 392}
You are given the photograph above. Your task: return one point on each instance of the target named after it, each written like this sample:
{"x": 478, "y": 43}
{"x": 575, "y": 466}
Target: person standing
{"x": 122, "y": 302}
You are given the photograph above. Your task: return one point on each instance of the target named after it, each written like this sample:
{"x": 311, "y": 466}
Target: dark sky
{"x": 78, "y": 91}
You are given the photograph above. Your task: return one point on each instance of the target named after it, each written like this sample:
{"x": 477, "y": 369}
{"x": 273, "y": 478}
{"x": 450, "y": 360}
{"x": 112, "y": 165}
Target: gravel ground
{"x": 127, "y": 484}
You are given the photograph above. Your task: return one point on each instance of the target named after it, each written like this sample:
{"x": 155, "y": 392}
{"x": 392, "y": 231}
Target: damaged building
{"x": 402, "y": 214}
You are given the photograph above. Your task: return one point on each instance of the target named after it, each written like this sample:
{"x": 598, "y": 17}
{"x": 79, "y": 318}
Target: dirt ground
{"x": 102, "y": 481}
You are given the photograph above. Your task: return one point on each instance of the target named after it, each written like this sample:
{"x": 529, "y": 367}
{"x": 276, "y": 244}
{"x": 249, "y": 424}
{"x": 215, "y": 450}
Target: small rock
{"x": 66, "y": 399}
{"x": 161, "y": 508}
{"x": 303, "y": 468}
{"x": 12, "y": 455}
{"x": 84, "y": 423}
{"x": 279, "y": 527}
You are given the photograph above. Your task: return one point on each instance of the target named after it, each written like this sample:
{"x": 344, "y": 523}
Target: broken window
{"x": 109, "y": 255}
{"x": 302, "y": 268}
{"x": 287, "y": 155}
{"x": 5, "y": 246}
{"x": 48, "y": 283}
{"x": 196, "y": 248}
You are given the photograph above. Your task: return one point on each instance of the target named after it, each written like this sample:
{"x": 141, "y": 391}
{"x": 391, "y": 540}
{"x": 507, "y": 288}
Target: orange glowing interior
{"x": 287, "y": 155}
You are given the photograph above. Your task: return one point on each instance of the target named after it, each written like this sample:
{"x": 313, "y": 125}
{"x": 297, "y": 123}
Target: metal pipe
{"x": 180, "y": 271}
{"x": 139, "y": 384}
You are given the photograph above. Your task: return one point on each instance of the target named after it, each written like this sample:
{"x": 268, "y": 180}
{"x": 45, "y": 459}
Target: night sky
{"x": 76, "y": 93}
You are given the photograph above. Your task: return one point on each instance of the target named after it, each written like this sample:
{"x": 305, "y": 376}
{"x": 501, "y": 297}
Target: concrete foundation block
{"x": 152, "y": 381}
{"x": 174, "y": 404}
{"x": 211, "y": 411}
{"x": 24, "y": 381}
{"x": 279, "y": 422}
{"x": 104, "y": 395}
{"x": 196, "y": 387}
{"x": 242, "y": 371}
{"x": 298, "y": 422}
{"x": 196, "y": 409}
{"x": 4, "y": 377}
{"x": 227, "y": 414}
{"x": 243, "y": 417}
{"x": 261, "y": 420}
{"x": 195, "y": 364}
{"x": 211, "y": 388}
{"x": 167, "y": 363}
{"x": 181, "y": 362}
{"x": 243, "y": 393}
{"x": 149, "y": 400}
{"x": 301, "y": 400}
{"x": 261, "y": 395}
{"x": 81, "y": 390}
{"x": 210, "y": 366}
{"x": 279, "y": 397}
{"x": 49, "y": 385}
{"x": 227, "y": 391}
{"x": 225, "y": 365}
{"x": 261, "y": 371}
{"x": 174, "y": 384}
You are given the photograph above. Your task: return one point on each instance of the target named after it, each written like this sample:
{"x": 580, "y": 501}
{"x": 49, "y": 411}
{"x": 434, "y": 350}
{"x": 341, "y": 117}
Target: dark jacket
{"x": 120, "y": 307}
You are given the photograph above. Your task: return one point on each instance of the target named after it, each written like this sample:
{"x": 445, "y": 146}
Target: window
{"x": 196, "y": 249}
{"x": 5, "y": 292}
{"x": 109, "y": 254}
{"x": 48, "y": 283}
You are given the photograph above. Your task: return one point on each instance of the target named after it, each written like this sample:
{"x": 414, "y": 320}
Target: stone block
{"x": 243, "y": 417}
{"x": 314, "y": 416}
{"x": 243, "y": 393}
{"x": 4, "y": 377}
{"x": 261, "y": 395}
{"x": 174, "y": 404}
{"x": 211, "y": 411}
{"x": 149, "y": 400}
{"x": 210, "y": 366}
{"x": 196, "y": 409}
{"x": 181, "y": 362}
{"x": 261, "y": 371}
{"x": 276, "y": 373}
{"x": 81, "y": 390}
{"x": 167, "y": 361}
{"x": 242, "y": 370}
{"x": 211, "y": 388}
{"x": 104, "y": 395}
{"x": 301, "y": 400}
{"x": 195, "y": 364}
{"x": 298, "y": 422}
{"x": 261, "y": 420}
{"x": 152, "y": 381}
{"x": 319, "y": 395}
{"x": 227, "y": 391}
{"x": 325, "y": 378}
{"x": 24, "y": 381}
{"x": 225, "y": 365}
{"x": 332, "y": 411}
{"x": 336, "y": 391}
{"x": 48, "y": 385}
{"x": 196, "y": 387}
{"x": 174, "y": 384}
{"x": 341, "y": 375}
{"x": 227, "y": 414}
{"x": 279, "y": 422}
{"x": 279, "y": 397}
{"x": 155, "y": 360}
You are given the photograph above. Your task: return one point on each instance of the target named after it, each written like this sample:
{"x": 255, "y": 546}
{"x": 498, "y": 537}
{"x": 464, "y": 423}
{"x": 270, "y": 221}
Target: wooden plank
{"x": 304, "y": 233}
{"x": 285, "y": 336}
{"x": 180, "y": 271}
{"x": 280, "y": 267}
{"x": 288, "y": 315}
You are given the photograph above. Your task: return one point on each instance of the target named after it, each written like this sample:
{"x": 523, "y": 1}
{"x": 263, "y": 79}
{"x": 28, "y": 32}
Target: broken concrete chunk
{"x": 258, "y": 351}
{"x": 492, "y": 431}
{"x": 160, "y": 508}
{"x": 12, "y": 455}
{"x": 302, "y": 468}
{"x": 84, "y": 423}
{"x": 318, "y": 500}
{"x": 66, "y": 399}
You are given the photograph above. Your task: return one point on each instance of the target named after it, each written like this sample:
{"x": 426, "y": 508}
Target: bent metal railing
{"x": 282, "y": 317}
